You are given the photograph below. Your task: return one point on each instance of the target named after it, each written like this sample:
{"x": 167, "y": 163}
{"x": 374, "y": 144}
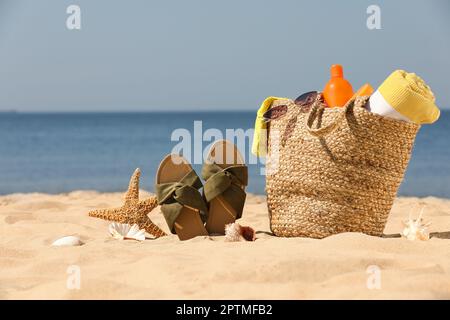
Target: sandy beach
{"x": 209, "y": 267}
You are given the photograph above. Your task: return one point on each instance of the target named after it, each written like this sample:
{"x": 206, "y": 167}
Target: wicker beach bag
{"x": 333, "y": 170}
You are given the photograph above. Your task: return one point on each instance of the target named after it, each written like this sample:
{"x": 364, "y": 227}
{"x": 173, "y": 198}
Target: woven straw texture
{"x": 340, "y": 174}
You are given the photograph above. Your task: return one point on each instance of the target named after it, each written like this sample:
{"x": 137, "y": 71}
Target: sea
{"x": 63, "y": 152}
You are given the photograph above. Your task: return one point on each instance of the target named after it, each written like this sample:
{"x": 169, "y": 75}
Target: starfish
{"x": 133, "y": 211}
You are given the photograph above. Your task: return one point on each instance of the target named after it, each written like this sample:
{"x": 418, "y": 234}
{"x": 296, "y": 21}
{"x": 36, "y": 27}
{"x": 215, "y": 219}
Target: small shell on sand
{"x": 235, "y": 232}
{"x": 123, "y": 231}
{"x": 416, "y": 229}
{"x": 69, "y": 241}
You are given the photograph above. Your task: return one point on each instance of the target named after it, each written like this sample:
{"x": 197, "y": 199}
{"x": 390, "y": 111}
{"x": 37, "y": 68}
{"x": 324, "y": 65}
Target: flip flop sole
{"x": 188, "y": 224}
{"x": 224, "y": 154}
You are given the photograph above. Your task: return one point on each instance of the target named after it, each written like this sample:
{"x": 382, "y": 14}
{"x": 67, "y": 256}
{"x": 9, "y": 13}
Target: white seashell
{"x": 416, "y": 229}
{"x": 67, "y": 241}
{"x": 232, "y": 233}
{"x": 123, "y": 231}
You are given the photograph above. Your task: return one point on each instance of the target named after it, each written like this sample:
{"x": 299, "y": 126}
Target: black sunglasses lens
{"x": 306, "y": 98}
{"x": 275, "y": 112}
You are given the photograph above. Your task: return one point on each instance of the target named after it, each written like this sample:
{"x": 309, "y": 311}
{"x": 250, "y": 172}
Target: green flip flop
{"x": 181, "y": 203}
{"x": 226, "y": 177}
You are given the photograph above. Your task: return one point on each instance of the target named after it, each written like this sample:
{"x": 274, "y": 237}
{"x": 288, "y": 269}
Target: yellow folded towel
{"x": 408, "y": 94}
{"x": 259, "y": 146}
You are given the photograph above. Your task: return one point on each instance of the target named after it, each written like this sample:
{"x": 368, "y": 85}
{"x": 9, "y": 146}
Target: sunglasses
{"x": 304, "y": 103}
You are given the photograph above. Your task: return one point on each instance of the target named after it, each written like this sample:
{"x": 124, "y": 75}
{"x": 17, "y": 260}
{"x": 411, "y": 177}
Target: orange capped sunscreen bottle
{"x": 338, "y": 90}
{"x": 365, "y": 90}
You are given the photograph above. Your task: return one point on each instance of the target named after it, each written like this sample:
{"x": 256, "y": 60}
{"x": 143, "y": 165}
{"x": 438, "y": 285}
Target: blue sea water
{"x": 61, "y": 152}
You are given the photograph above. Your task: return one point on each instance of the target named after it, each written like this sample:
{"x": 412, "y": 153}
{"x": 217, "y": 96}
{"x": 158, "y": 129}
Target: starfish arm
{"x": 133, "y": 211}
{"x": 106, "y": 214}
{"x": 149, "y": 204}
{"x": 152, "y": 228}
{"x": 132, "y": 195}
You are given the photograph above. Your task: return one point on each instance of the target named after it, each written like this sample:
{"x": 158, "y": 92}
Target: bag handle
{"x": 323, "y": 131}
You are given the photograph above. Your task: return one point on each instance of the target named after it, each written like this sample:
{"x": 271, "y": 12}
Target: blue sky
{"x": 209, "y": 55}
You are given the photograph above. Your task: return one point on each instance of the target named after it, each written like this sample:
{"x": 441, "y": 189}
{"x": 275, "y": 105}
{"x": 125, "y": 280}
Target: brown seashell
{"x": 235, "y": 232}
{"x": 248, "y": 233}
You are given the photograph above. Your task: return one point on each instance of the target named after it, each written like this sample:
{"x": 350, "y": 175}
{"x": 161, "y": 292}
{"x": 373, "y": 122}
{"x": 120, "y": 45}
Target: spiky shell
{"x": 416, "y": 229}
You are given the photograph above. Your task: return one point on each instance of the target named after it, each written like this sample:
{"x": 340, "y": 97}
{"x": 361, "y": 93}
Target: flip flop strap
{"x": 226, "y": 182}
{"x": 173, "y": 196}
